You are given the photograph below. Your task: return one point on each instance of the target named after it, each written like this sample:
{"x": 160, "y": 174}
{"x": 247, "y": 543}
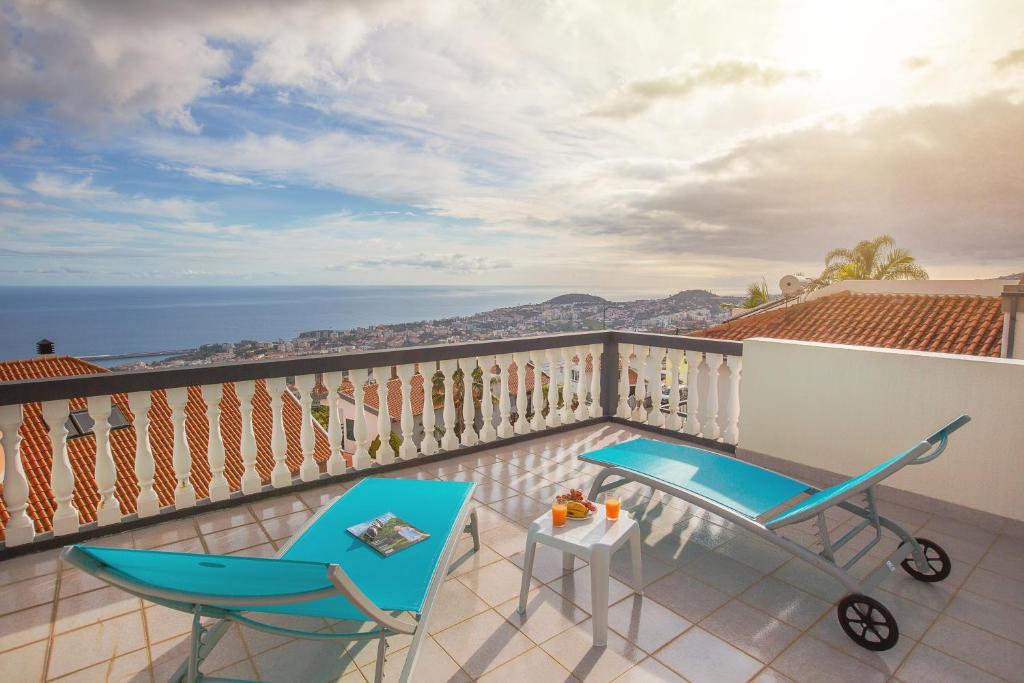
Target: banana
{"x": 576, "y": 509}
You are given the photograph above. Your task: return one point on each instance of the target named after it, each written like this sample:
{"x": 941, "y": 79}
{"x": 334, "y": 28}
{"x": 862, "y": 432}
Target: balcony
{"x": 719, "y": 603}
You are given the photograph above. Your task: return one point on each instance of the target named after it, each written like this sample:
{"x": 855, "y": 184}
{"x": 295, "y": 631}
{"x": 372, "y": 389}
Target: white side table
{"x": 594, "y": 540}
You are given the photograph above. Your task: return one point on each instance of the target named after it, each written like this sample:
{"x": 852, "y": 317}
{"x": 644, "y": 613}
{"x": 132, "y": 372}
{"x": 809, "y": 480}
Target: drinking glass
{"x": 612, "y": 506}
{"x": 559, "y": 513}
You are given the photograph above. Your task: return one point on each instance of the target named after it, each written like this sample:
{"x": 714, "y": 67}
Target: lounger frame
{"x": 204, "y": 639}
{"x": 824, "y": 559}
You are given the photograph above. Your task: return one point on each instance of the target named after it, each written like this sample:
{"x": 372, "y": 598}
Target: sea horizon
{"x": 100, "y": 320}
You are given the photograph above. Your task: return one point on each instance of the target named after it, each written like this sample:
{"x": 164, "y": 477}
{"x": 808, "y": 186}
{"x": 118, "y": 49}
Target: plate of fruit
{"x": 577, "y": 507}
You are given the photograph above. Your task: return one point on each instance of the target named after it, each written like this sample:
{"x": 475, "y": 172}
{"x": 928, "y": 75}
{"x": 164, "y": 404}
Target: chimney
{"x": 1013, "y": 321}
{"x": 44, "y": 347}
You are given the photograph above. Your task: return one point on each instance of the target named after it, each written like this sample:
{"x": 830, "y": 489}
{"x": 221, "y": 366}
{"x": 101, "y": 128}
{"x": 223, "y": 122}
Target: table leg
{"x": 635, "y": 548}
{"x": 531, "y": 549}
{"x": 599, "y": 569}
{"x": 568, "y": 562}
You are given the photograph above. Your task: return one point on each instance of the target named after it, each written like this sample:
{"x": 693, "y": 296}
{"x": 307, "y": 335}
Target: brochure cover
{"x": 388, "y": 534}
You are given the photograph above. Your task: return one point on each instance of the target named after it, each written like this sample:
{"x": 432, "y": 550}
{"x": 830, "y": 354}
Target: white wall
{"x": 846, "y": 408}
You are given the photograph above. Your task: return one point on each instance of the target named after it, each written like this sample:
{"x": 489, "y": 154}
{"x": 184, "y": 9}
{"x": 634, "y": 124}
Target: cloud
{"x": 639, "y": 96}
{"x": 106, "y": 199}
{"x": 1011, "y": 59}
{"x": 916, "y": 62}
{"x": 451, "y": 263}
{"x": 218, "y": 176}
{"x": 944, "y": 179}
{"x": 7, "y": 188}
{"x": 26, "y": 142}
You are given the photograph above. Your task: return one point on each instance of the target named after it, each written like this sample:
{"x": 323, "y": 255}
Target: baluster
{"x": 522, "y": 425}
{"x": 147, "y": 503}
{"x": 730, "y": 413}
{"x": 640, "y": 395}
{"x": 581, "y": 383}
{"x": 450, "y": 441}
{"x": 674, "y": 366}
{"x": 109, "y": 509}
{"x": 429, "y": 444}
{"x": 62, "y": 477}
{"x": 469, "y": 436}
{"x": 308, "y": 471}
{"x": 251, "y": 482}
{"x": 537, "y": 358}
{"x": 622, "y": 409}
{"x": 361, "y": 458}
{"x": 656, "y": 418}
{"x": 184, "y": 493}
{"x": 280, "y": 475}
{"x": 693, "y": 361}
{"x": 709, "y": 395}
{"x": 335, "y": 430}
{"x": 504, "y": 404}
{"x": 595, "y": 409}
{"x": 407, "y": 450}
{"x": 567, "y": 416}
{"x": 20, "y": 528}
{"x": 554, "y": 418}
{"x": 385, "y": 453}
{"x": 212, "y": 395}
{"x": 487, "y": 433}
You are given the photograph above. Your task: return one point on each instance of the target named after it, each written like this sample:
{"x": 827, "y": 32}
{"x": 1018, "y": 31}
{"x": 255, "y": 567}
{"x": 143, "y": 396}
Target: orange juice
{"x": 559, "y": 513}
{"x": 612, "y": 505}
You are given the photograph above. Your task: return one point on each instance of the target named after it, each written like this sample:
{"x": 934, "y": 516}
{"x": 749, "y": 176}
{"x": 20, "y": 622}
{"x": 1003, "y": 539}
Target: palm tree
{"x": 757, "y": 294}
{"x": 877, "y": 259}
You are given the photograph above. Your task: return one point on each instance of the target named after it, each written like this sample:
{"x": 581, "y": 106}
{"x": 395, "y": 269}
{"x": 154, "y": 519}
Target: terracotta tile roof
{"x": 922, "y": 322}
{"x": 37, "y": 459}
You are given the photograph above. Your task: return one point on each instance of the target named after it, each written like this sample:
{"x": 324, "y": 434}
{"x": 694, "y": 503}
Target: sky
{"x": 639, "y": 145}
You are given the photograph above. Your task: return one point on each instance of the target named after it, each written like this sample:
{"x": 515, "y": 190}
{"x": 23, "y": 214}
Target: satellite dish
{"x": 791, "y": 285}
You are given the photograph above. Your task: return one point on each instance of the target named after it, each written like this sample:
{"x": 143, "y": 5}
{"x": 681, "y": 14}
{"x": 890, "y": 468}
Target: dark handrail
{"x": 100, "y": 384}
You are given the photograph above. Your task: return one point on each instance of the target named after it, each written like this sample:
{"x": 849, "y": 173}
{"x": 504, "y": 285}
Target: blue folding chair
{"x": 323, "y": 571}
{"x": 762, "y": 501}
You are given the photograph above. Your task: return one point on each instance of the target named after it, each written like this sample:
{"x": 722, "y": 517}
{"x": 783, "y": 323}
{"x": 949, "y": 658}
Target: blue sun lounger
{"x": 322, "y": 572}
{"x": 762, "y": 502}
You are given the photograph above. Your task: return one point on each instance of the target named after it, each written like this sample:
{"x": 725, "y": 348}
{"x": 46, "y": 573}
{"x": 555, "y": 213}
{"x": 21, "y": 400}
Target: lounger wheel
{"x": 935, "y": 556}
{"x": 868, "y": 622}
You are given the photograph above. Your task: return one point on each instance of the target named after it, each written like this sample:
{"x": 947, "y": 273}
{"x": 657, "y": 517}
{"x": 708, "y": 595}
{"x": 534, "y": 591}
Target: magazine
{"x": 388, "y": 534}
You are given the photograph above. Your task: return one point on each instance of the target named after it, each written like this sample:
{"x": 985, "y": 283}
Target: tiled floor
{"x": 719, "y": 605}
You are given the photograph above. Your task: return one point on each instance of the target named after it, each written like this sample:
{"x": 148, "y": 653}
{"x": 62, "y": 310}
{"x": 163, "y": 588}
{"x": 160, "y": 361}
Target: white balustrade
{"x": 385, "y": 452}
{"x": 450, "y": 441}
{"x": 212, "y": 395}
{"x": 581, "y": 383}
{"x": 504, "y": 406}
{"x": 674, "y": 367}
{"x": 251, "y": 481}
{"x": 335, "y": 430}
{"x": 280, "y": 476}
{"x": 469, "y": 436}
{"x": 640, "y": 394}
{"x": 62, "y": 477}
{"x": 537, "y": 422}
{"x": 729, "y": 414}
{"x": 177, "y": 399}
{"x": 487, "y": 433}
{"x": 308, "y": 471}
{"x": 109, "y": 509}
{"x": 622, "y": 408}
{"x": 568, "y": 417}
{"x": 20, "y": 528}
{"x": 708, "y": 387}
{"x": 522, "y": 424}
{"x": 407, "y": 451}
{"x": 147, "y": 503}
{"x": 596, "y": 410}
{"x": 693, "y": 362}
{"x": 554, "y": 418}
{"x": 361, "y": 457}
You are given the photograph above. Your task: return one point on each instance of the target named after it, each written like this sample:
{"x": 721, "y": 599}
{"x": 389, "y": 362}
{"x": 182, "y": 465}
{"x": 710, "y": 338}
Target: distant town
{"x": 685, "y": 311}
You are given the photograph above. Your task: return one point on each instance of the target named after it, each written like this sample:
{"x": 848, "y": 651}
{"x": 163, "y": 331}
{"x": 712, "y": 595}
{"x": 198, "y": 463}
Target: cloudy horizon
{"x": 652, "y": 146}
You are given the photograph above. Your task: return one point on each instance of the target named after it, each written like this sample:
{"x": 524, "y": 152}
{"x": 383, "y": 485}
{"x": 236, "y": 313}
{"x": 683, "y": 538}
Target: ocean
{"x": 89, "y": 321}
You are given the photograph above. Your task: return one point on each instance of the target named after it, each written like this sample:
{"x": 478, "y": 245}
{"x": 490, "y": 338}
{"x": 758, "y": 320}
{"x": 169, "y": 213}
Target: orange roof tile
{"x": 922, "y": 322}
{"x": 37, "y": 459}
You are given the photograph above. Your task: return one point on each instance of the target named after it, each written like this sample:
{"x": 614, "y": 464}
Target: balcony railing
{"x": 684, "y": 386}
